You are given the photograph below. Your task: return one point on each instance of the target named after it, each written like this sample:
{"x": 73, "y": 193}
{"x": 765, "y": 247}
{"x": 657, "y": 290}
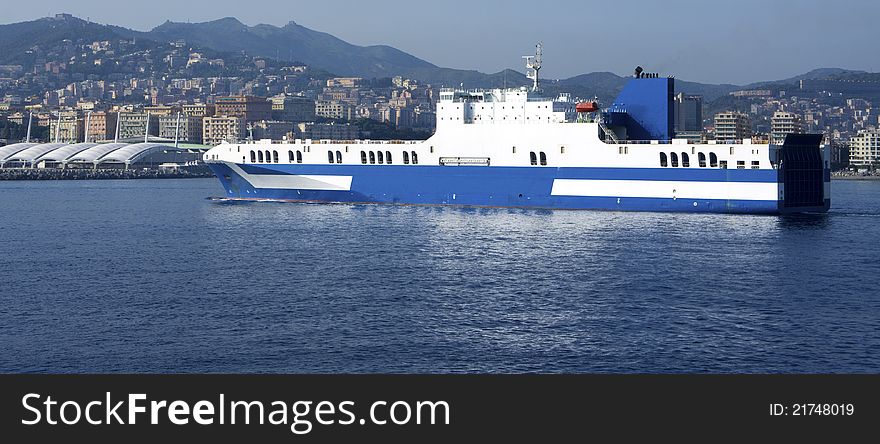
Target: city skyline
{"x": 755, "y": 41}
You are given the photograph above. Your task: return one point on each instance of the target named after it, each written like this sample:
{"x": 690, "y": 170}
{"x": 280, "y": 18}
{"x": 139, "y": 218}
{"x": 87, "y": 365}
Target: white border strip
{"x": 666, "y": 189}
{"x": 295, "y": 182}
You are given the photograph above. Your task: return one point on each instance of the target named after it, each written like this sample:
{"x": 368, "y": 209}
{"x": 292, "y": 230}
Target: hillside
{"x": 26, "y": 43}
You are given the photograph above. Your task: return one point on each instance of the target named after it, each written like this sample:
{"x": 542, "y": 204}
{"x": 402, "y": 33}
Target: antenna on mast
{"x": 533, "y": 65}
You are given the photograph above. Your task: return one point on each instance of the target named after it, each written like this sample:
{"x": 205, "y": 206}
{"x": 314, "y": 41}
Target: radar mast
{"x": 533, "y": 65}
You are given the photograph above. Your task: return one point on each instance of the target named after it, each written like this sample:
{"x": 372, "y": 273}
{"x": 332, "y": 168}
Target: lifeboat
{"x": 587, "y": 107}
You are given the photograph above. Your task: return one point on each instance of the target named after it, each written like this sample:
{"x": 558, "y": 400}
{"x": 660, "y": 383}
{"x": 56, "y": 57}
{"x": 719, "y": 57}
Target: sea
{"x": 155, "y": 276}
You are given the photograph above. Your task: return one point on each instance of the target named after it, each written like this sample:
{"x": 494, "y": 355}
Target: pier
{"x": 91, "y": 174}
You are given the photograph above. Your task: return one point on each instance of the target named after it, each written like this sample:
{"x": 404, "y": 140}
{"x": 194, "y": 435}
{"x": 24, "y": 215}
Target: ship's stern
{"x": 804, "y": 174}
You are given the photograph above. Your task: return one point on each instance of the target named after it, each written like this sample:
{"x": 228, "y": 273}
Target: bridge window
{"x": 290, "y": 156}
{"x": 379, "y": 156}
{"x": 388, "y": 157}
{"x": 338, "y": 157}
{"x": 756, "y": 164}
{"x": 415, "y": 158}
{"x": 533, "y": 159}
{"x": 268, "y": 158}
{"x": 372, "y": 157}
{"x": 260, "y": 156}
{"x": 674, "y": 158}
{"x": 713, "y": 160}
{"x": 275, "y": 156}
{"x": 663, "y": 161}
{"x": 723, "y": 164}
{"x": 740, "y": 164}
{"x": 702, "y": 159}
{"x": 364, "y": 157}
{"x": 329, "y": 156}
{"x": 299, "y": 156}
{"x": 405, "y": 158}
{"x": 685, "y": 160}
{"x": 253, "y": 157}
{"x": 731, "y": 151}
{"x": 543, "y": 158}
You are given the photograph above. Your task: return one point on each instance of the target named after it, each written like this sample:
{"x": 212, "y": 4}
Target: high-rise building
{"x": 102, "y": 126}
{"x": 732, "y": 125}
{"x": 68, "y": 129}
{"x": 185, "y": 129}
{"x": 293, "y": 109}
{"x": 198, "y": 110}
{"x": 133, "y": 124}
{"x": 865, "y": 148}
{"x": 688, "y": 113}
{"x": 248, "y": 108}
{"x": 334, "y": 109}
{"x": 216, "y": 130}
{"x": 783, "y": 123}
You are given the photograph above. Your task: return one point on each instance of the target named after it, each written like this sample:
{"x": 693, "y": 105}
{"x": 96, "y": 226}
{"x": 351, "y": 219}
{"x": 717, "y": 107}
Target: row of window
{"x": 686, "y": 160}
{"x": 257, "y": 156}
{"x": 377, "y": 157}
{"x": 335, "y": 157}
{"x": 534, "y": 159}
{"x": 672, "y": 159}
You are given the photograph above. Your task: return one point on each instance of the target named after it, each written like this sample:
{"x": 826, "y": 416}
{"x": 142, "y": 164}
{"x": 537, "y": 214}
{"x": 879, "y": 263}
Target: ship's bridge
{"x": 502, "y": 106}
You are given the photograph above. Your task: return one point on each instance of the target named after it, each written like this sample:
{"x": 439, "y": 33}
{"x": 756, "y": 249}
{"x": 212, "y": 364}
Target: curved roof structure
{"x": 93, "y": 153}
{"x": 63, "y": 153}
{"x": 131, "y": 153}
{"x": 32, "y": 153}
{"x": 96, "y": 152}
{"x": 9, "y": 150}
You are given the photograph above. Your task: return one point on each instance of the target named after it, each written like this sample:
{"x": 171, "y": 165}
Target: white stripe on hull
{"x": 666, "y": 189}
{"x": 295, "y": 182}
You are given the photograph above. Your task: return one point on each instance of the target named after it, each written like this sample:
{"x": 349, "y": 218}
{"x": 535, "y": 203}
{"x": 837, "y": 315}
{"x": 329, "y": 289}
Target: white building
{"x": 784, "y": 123}
{"x": 865, "y": 148}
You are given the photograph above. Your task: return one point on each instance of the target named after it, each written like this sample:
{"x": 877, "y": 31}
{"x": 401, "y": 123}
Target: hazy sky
{"x": 738, "y": 41}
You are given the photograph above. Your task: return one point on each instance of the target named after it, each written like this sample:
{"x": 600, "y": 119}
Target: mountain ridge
{"x": 294, "y": 42}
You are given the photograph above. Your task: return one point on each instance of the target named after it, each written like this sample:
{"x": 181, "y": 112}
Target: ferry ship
{"x": 512, "y": 148}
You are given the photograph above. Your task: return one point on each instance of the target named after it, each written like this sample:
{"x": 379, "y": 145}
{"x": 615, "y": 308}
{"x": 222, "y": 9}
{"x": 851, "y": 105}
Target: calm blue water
{"x": 150, "y": 276}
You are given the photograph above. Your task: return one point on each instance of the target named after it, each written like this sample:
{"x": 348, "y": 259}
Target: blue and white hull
{"x": 619, "y": 189}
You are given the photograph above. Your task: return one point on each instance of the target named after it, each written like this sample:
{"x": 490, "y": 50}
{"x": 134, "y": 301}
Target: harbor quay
{"x": 92, "y": 174}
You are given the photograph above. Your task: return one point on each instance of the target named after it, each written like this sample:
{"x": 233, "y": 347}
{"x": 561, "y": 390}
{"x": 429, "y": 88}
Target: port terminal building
{"x": 143, "y": 155}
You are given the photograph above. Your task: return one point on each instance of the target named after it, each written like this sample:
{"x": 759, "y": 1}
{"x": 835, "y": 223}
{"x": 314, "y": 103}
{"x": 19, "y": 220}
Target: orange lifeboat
{"x": 587, "y": 107}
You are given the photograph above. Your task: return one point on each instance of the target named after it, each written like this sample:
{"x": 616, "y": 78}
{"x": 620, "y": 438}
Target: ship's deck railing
{"x": 490, "y": 99}
{"x": 639, "y": 142}
{"x": 327, "y": 142}
{"x": 682, "y": 142}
